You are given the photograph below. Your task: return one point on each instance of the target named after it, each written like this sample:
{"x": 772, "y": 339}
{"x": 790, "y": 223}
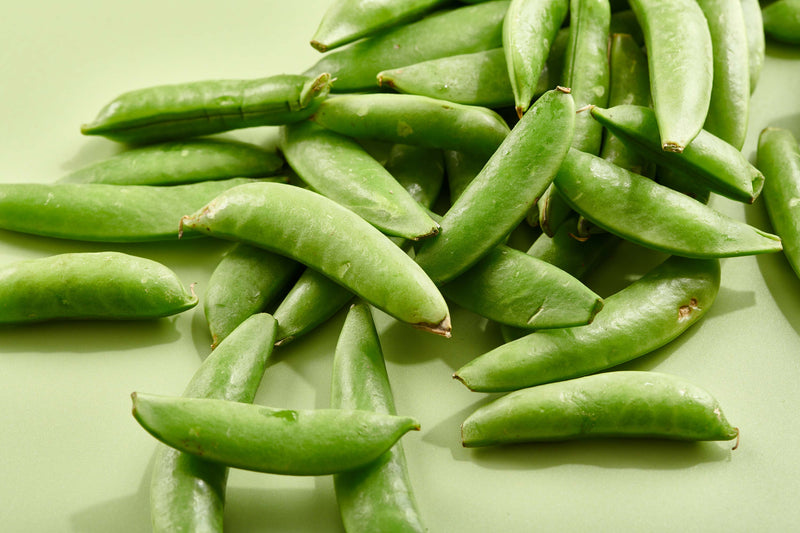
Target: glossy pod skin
{"x": 681, "y": 64}
{"x": 183, "y": 110}
{"x": 497, "y": 200}
{"x": 609, "y": 405}
{"x": 180, "y": 162}
{"x": 756, "y": 46}
{"x": 104, "y": 213}
{"x": 782, "y": 21}
{"x": 186, "y": 492}
{"x": 379, "y": 496}
{"x": 78, "y": 286}
{"x": 458, "y": 31}
{"x": 636, "y": 320}
{"x": 637, "y": 209}
{"x": 329, "y": 238}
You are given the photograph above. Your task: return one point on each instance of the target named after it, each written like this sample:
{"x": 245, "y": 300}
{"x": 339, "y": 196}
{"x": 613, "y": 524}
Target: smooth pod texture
{"x": 637, "y": 209}
{"x": 312, "y": 442}
{"x": 329, "y": 238}
{"x": 782, "y": 20}
{"x": 379, "y": 496}
{"x": 186, "y": 492}
{"x": 101, "y": 285}
{"x": 613, "y": 404}
{"x": 636, "y": 320}
{"x": 756, "y": 45}
{"x": 177, "y": 111}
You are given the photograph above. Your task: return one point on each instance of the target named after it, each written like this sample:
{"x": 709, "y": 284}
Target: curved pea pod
{"x": 329, "y": 238}
{"x": 497, "y": 200}
{"x": 311, "y": 442}
{"x": 379, "y": 496}
{"x": 609, "y": 405}
{"x": 529, "y": 30}
{"x": 102, "y": 285}
{"x": 187, "y": 492}
{"x": 636, "y": 320}
{"x": 168, "y": 112}
{"x": 681, "y": 65}
{"x": 638, "y": 209}
{"x": 712, "y": 161}
{"x": 782, "y": 21}
{"x": 105, "y": 213}
{"x": 180, "y": 162}
{"x": 245, "y": 280}
{"x": 756, "y": 47}
{"x": 779, "y": 159}
{"x": 458, "y": 31}
{"x": 412, "y": 119}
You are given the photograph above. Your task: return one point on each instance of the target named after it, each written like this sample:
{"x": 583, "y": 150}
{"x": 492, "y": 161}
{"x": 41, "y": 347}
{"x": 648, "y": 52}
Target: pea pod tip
{"x": 442, "y": 328}
{"x": 318, "y": 46}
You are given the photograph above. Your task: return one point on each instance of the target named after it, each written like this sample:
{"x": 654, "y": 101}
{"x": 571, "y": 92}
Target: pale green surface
{"x": 74, "y": 459}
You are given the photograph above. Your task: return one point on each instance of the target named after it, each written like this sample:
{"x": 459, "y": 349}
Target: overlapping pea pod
{"x": 187, "y": 493}
{"x": 636, "y": 320}
{"x": 782, "y": 20}
{"x": 102, "y": 285}
{"x": 458, "y": 31}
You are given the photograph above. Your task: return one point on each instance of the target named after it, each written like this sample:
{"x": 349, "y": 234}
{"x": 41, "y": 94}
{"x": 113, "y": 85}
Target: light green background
{"x": 72, "y": 458}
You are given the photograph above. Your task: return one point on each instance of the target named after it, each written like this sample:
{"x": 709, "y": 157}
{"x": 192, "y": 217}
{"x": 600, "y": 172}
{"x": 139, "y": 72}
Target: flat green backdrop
{"x": 72, "y": 458}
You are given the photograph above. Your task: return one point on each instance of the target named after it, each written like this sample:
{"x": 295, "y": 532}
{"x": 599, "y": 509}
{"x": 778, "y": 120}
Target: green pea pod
{"x": 570, "y": 253}
{"x": 497, "y": 200}
{"x": 182, "y": 110}
{"x": 782, "y": 21}
{"x": 187, "y": 493}
{"x": 462, "y": 168}
{"x": 638, "y": 209}
{"x": 779, "y": 159}
{"x": 681, "y": 65}
{"x": 104, "y": 213}
{"x": 553, "y": 211}
{"x": 712, "y": 161}
{"x": 419, "y": 170}
{"x": 683, "y": 183}
{"x": 245, "y": 280}
{"x": 529, "y": 30}
{"x": 417, "y": 120}
{"x": 379, "y": 496}
{"x": 338, "y": 167}
{"x": 327, "y": 237}
{"x": 625, "y": 22}
{"x": 180, "y": 162}
{"x": 613, "y": 404}
{"x": 348, "y": 20}
{"x": 644, "y": 316}
{"x": 458, "y": 31}
{"x": 102, "y": 285}
{"x": 756, "y": 47}
{"x": 311, "y": 442}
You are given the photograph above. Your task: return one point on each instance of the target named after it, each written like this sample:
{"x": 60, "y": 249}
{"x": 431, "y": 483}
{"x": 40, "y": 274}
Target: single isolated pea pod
{"x": 644, "y": 316}
{"x": 327, "y": 237}
{"x": 187, "y": 492}
{"x": 782, "y": 21}
{"x": 168, "y": 112}
{"x": 102, "y": 285}
{"x": 104, "y": 213}
{"x": 636, "y": 208}
{"x": 608, "y": 405}
{"x": 756, "y": 45}
{"x": 311, "y": 442}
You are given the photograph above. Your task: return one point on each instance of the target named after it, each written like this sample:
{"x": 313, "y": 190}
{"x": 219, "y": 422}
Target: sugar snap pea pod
{"x": 462, "y": 167}
{"x": 613, "y": 404}
{"x": 338, "y": 167}
{"x": 782, "y": 21}
{"x": 419, "y": 170}
{"x": 552, "y": 211}
{"x": 779, "y": 159}
{"x": 567, "y": 251}
{"x": 245, "y": 280}
{"x": 754, "y": 27}
{"x": 714, "y": 162}
{"x": 625, "y": 22}
{"x": 636, "y": 320}
{"x": 497, "y": 200}
{"x": 327, "y": 237}
{"x": 311, "y": 442}
{"x": 190, "y": 109}
{"x": 684, "y": 183}
{"x": 638, "y": 209}
{"x": 102, "y": 285}
{"x": 104, "y": 213}
{"x": 412, "y": 119}
{"x": 681, "y": 65}
{"x": 179, "y": 162}
{"x": 529, "y": 30}
{"x": 458, "y": 31}
{"x": 186, "y": 492}
{"x": 379, "y": 496}
{"x": 348, "y": 20}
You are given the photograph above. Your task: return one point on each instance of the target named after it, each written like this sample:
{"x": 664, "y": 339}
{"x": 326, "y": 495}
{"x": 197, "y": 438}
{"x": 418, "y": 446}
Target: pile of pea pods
{"x": 425, "y": 136}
